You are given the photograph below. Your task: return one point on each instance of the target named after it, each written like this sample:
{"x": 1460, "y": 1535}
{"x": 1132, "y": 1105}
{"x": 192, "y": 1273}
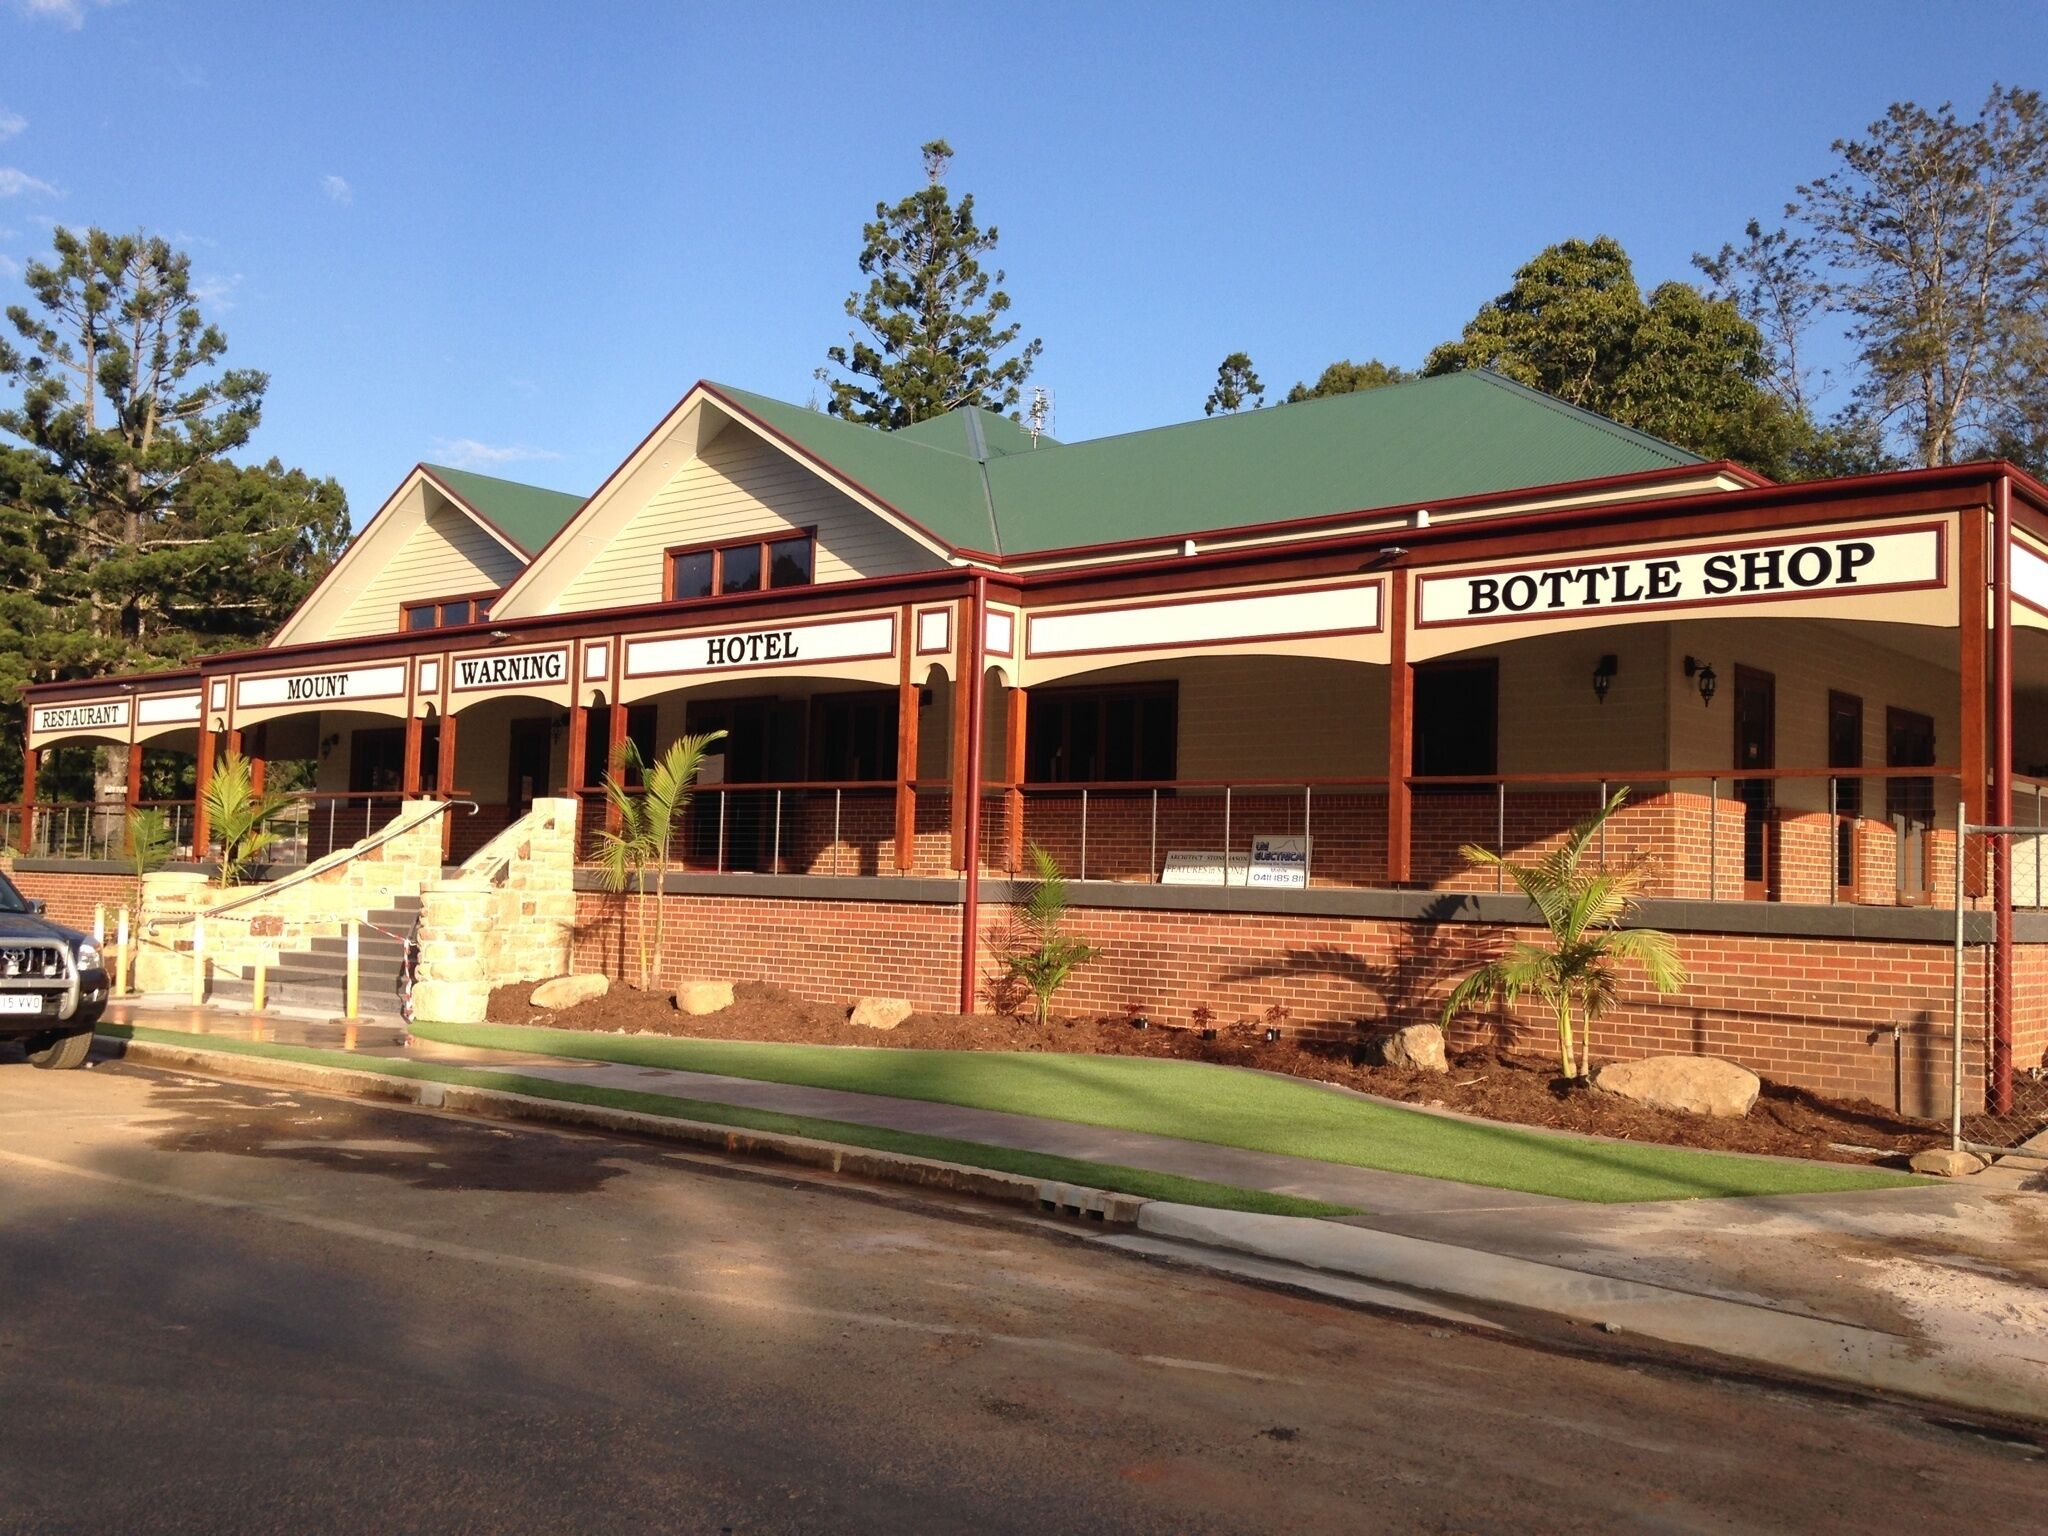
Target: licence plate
{"x": 21, "y": 1002}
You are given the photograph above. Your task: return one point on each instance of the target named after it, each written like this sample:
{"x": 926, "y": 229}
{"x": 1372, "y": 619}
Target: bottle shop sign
{"x": 1835, "y": 565}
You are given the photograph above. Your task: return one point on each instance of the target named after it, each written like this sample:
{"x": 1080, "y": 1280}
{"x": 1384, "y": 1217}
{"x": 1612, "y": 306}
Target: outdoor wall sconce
{"x": 1603, "y": 676}
{"x": 1703, "y": 674}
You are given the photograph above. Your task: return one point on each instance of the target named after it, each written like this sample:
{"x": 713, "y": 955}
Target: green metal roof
{"x": 975, "y": 480}
{"x": 526, "y": 514}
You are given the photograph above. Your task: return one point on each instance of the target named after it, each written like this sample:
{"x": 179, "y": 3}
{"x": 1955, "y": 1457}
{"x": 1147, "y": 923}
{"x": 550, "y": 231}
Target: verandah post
{"x": 444, "y": 778}
{"x": 132, "y": 794}
{"x": 202, "y": 780}
{"x": 967, "y": 786}
{"x": 906, "y": 744}
{"x": 2001, "y": 795}
{"x": 1400, "y": 727}
{"x": 26, "y": 832}
{"x": 1015, "y": 723}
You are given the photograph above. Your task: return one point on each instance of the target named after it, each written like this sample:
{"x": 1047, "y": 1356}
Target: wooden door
{"x": 1909, "y": 802}
{"x": 531, "y": 745}
{"x": 1756, "y": 746}
{"x": 1845, "y": 750}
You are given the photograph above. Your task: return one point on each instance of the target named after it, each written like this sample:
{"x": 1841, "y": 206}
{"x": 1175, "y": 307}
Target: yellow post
{"x": 121, "y": 954}
{"x": 99, "y": 922}
{"x": 354, "y": 964}
{"x": 256, "y": 987}
{"x": 198, "y": 961}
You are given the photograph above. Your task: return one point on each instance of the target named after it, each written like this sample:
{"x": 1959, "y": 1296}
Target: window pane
{"x": 692, "y": 574}
{"x": 483, "y": 611}
{"x": 419, "y": 616}
{"x": 789, "y": 563}
{"x": 455, "y": 613}
{"x": 740, "y": 568}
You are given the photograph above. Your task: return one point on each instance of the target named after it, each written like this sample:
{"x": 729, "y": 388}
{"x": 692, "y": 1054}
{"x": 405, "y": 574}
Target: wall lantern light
{"x": 1603, "y": 676}
{"x": 1702, "y": 672}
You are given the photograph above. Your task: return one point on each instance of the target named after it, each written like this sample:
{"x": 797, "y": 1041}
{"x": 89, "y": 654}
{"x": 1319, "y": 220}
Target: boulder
{"x": 1417, "y": 1048}
{"x": 1947, "y": 1163}
{"x": 697, "y": 996}
{"x": 879, "y": 1013}
{"x": 1691, "y": 1085}
{"x": 568, "y": 991}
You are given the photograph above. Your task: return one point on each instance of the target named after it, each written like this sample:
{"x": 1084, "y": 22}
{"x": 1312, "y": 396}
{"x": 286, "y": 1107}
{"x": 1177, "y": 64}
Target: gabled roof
{"x": 525, "y": 514}
{"x": 976, "y": 481}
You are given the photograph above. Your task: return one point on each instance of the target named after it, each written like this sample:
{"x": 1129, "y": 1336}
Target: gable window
{"x": 447, "y": 612}
{"x": 751, "y": 565}
{"x": 1101, "y": 735}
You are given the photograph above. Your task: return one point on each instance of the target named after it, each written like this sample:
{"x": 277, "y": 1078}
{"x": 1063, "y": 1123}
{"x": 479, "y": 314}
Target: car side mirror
{"x": 37, "y": 906}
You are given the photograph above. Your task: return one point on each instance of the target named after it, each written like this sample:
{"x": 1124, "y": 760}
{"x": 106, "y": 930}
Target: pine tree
{"x": 1237, "y": 386}
{"x": 933, "y": 319}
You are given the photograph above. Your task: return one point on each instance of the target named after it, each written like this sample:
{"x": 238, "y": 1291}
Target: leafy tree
{"x": 1771, "y": 280}
{"x": 1931, "y": 238}
{"x": 934, "y": 320}
{"x": 1575, "y": 973}
{"x": 1041, "y": 955}
{"x": 239, "y": 817}
{"x": 1680, "y": 365}
{"x": 1348, "y": 378}
{"x": 1237, "y": 385}
{"x": 128, "y": 540}
{"x": 647, "y": 825}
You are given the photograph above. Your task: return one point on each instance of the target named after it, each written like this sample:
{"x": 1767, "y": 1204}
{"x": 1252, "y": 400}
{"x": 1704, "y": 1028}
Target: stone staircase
{"x": 316, "y": 977}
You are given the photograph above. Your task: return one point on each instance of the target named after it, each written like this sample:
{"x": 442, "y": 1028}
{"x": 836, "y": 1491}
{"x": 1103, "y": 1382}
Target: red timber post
{"x": 25, "y": 834}
{"x": 2000, "y": 1083}
{"x": 131, "y": 794}
{"x": 1400, "y": 727}
{"x": 577, "y": 769}
{"x": 1973, "y": 577}
{"x": 968, "y": 787}
{"x": 906, "y": 744}
{"x": 202, "y": 780}
{"x": 1016, "y": 720}
{"x": 444, "y": 779}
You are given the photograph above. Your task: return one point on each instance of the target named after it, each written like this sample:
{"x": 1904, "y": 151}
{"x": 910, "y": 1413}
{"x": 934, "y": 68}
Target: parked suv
{"x": 53, "y": 983}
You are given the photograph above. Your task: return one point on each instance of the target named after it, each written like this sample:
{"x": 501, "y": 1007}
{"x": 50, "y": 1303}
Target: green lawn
{"x": 1213, "y": 1104}
{"x": 1142, "y": 1182}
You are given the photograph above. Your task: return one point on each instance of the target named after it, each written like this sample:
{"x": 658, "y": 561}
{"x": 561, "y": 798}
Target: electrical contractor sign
{"x": 1785, "y": 568}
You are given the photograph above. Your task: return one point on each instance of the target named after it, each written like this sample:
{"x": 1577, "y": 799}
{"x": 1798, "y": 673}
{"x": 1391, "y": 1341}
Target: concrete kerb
{"x": 1080, "y": 1201}
{"x": 1862, "y": 1359}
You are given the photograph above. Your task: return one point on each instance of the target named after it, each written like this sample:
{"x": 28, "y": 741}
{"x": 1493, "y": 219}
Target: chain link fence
{"x": 2000, "y": 1065}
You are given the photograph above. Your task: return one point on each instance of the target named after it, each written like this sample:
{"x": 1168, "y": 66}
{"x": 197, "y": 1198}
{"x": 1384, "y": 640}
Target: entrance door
{"x": 764, "y": 744}
{"x": 531, "y": 751}
{"x": 1909, "y": 802}
{"x": 1756, "y": 746}
{"x": 1845, "y": 750}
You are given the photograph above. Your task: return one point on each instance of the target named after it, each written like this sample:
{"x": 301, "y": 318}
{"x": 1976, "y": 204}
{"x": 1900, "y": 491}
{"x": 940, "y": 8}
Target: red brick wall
{"x": 1820, "y": 1013}
{"x": 70, "y": 897}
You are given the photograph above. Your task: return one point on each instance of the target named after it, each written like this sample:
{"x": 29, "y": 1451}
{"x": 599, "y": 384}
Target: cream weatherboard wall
{"x": 447, "y": 554}
{"x": 737, "y": 486}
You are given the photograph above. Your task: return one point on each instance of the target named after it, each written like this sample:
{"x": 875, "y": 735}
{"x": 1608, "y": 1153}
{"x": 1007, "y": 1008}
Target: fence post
{"x": 723, "y": 798}
{"x": 836, "y": 794}
{"x": 1226, "y": 837}
{"x": 1308, "y": 842}
{"x": 1834, "y": 839}
{"x": 1157, "y": 873}
{"x": 1955, "y": 1048}
{"x": 198, "y": 960}
{"x": 1603, "y": 828}
{"x": 1083, "y": 875}
{"x": 775, "y": 842}
{"x": 256, "y": 985}
{"x": 121, "y": 953}
{"x": 99, "y": 922}
{"x": 1500, "y": 834}
{"x": 1714, "y": 838}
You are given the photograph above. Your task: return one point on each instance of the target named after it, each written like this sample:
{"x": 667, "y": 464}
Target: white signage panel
{"x": 1849, "y": 563}
{"x": 100, "y": 715}
{"x": 2029, "y": 576}
{"x": 1204, "y": 867}
{"x": 342, "y": 685}
{"x": 511, "y": 669}
{"x": 167, "y": 709}
{"x": 1280, "y": 862}
{"x": 1200, "y": 621}
{"x": 864, "y": 639}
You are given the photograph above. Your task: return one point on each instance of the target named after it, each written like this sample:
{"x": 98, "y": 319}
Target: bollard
{"x": 354, "y": 964}
{"x": 256, "y": 985}
{"x": 198, "y": 961}
{"x": 99, "y": 922}
{"x": 121, "y": 954}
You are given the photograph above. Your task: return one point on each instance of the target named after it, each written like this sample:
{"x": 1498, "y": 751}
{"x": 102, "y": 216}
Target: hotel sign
{"x": 107, "y": 715}
{"x": 513, "y": 669}
{"x": 1787, "y": 568}
{"x": 863, "y": 639}
{"x": 342, "y": 685}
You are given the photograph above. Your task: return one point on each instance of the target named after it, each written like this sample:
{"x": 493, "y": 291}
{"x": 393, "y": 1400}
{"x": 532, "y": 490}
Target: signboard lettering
{"x": 1280, "y": 861}
{"x": 1880, "y": 561}
{"x": 858, "y": 639}
{"x": 761, "y": 645}
{"x": 523, "y": 667}
{"x": 111, "y": 714}
{"x": 340, "y": 686}
{"x": 1204, "y": 867}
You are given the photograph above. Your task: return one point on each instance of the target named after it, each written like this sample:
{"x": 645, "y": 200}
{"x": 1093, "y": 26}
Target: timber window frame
{"x": 446, "y": 612}
{"x": 739, "y": 565}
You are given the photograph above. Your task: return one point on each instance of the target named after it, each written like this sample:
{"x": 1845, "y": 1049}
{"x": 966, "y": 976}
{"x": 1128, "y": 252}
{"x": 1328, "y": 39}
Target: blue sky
{"x": 510, "y": 235}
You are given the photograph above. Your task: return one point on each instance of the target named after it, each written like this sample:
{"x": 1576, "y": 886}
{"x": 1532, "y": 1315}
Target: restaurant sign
{"x": 1812, "y": 566}
{"x": 104, "y": 715}
{"x": 343, "y": 685}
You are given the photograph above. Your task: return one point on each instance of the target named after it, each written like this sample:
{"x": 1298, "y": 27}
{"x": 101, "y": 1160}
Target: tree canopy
{"x": 128, "y": 539}
{"x": 1237, "y": 386}
{"x": 932, "y": 334}
{"x": 1348, "y": 378}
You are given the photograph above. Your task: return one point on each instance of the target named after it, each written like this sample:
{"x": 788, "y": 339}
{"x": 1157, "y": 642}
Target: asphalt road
{"x": 228, "y": 1308}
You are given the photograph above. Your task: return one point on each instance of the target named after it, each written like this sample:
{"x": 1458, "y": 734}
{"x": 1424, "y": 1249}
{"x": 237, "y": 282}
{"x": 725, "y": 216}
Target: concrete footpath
{"x": 1937, "y": 1292}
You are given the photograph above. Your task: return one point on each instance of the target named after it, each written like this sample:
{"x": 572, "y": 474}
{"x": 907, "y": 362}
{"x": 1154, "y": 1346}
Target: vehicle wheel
{"x": 60, "y": 1053}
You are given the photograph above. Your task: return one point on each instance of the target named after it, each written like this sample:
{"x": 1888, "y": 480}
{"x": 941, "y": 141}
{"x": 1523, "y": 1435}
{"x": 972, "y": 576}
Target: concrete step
{"x": 368, "y": 945}
{"x": 322, "y": 994}
{"x": 335, "y": 963}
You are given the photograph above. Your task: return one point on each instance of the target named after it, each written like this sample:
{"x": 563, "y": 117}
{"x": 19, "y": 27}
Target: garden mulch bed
{"x": 1518, "y": 1087}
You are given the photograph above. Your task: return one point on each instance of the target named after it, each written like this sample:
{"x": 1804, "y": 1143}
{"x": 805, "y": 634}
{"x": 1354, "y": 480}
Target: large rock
{"x": 879, "y": 1013}
{"x": 568, "y": 991}
{"x": 1417, "y": 1048}
{"x": 1947, "y": 1162}
{"x": 1691, "y": 1085}
{"x": 697, "y": 997}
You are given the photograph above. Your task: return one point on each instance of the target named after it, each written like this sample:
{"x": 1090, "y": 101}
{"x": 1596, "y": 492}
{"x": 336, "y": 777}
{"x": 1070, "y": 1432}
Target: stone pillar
{"x": 456, "y": 936}
{"x": 163, "y": 954}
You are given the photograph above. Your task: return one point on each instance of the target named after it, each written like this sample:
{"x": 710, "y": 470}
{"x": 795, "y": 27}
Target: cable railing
{"x": 795, "y": 827}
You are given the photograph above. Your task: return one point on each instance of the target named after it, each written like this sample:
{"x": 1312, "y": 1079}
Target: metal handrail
{"x": 321, "y": 866}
